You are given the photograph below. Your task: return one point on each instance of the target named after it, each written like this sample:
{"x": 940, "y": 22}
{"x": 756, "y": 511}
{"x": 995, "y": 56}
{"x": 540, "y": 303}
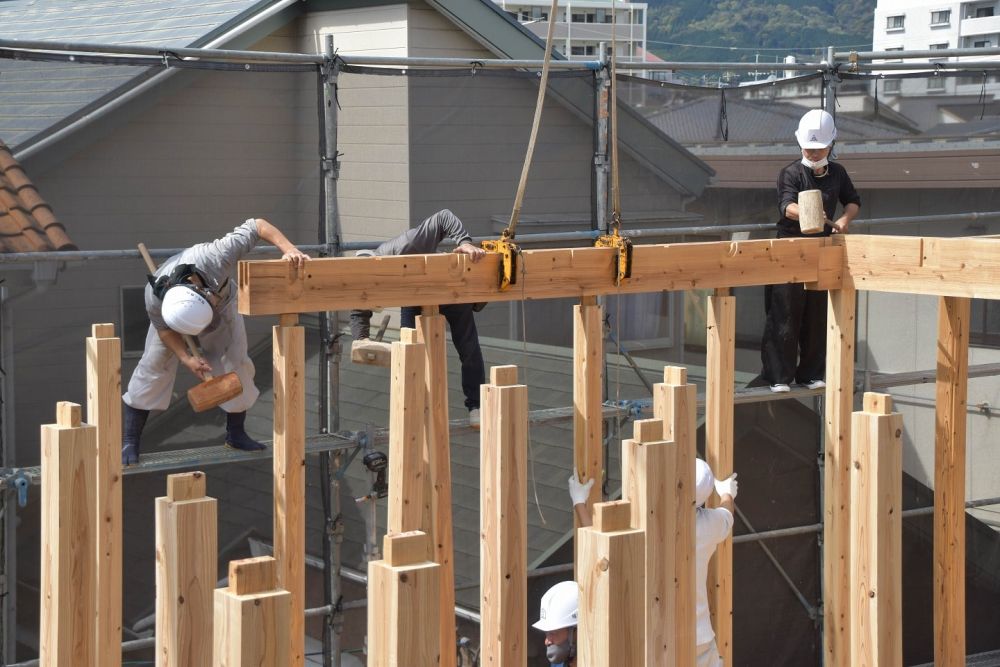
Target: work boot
{"x": 135, "y": 420}
{"x": 236, "y": 435}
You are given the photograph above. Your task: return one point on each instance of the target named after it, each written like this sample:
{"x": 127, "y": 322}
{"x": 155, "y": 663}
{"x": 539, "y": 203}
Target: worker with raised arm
{"x": 711, "y": 526}
{"x": 424, "y": 239}
{"x": 557, "y": 618}
{"x": 192, "y": 293}
{"x": 793, "y": 345}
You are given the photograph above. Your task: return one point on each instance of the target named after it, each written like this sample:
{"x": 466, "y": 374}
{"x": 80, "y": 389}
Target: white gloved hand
{"x": 578, "y": 491}
{"x": 727, "y": 487}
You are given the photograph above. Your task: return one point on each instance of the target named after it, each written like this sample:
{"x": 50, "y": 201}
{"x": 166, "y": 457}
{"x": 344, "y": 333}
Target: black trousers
{"x": 462, "y": 322}
{"x": 793, "y": 348}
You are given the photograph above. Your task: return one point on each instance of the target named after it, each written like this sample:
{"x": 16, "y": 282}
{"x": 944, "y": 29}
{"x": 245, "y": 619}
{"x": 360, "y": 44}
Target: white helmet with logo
{"x": 704, "y": 482}
{"x": 816, "y": 130}
{"x": 559, "y": 608}
{"x": 185, "y": 311}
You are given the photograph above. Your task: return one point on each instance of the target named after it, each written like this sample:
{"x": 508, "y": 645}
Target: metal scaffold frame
{"x": 337, "y": 449}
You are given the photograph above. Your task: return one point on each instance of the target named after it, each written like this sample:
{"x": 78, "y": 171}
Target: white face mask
{"x": 819, "y": 164}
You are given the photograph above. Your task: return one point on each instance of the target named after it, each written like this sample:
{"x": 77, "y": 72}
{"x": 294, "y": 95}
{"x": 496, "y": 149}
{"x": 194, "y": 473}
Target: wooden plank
{"x": 611, "y": 629}
{"x": 186, "y": 556}
{"x": 407, "y": 402}
{"x": 437, "y": 453}
{"x": 588, "y": 379}
{"x": 289, "y": 478}
{"x": 503, "y": 523}
{"x": 267, "y": 288}
{"x": 966, "y": 267}
{"x": 649, "y": 469}
{"x": 403, "y": 614}
{"x": 68, "y": 541}
{"x": 104, "y": 411}
{"x": 949, "y": 481}
{"x": 876, "y": 575}
{"x": 253, "y": 628}
{"x": 719, "y": 393}
{"x": 839, "y": 401}
{"x": 675, "y": 402}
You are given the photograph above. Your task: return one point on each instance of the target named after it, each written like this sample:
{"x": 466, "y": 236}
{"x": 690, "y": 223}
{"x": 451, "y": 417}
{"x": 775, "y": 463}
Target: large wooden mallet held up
{"x": 214, "y": 390}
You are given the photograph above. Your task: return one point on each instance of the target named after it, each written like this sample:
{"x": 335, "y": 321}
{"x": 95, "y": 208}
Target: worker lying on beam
{"x": 711, "y": 526}
{"x": 421, "y": 240}
{"x": 192, "y": 294}
{"x": 557, "y": 618}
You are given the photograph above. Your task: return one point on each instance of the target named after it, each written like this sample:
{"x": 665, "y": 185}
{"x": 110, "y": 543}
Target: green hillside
{"x": 775, "y": 27}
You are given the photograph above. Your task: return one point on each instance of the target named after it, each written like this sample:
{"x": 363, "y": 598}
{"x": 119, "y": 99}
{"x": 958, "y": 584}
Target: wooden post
{"x": 675, "y": 402}
{"x": 402, "y": 610}
{"x": 949, "y": 481}
{"x": 611, "y": 630}
{"x": 437, "y": 451}
{"x": 876, "y": 582}
{"x": 253, "y": 617}
{"x": 67, "y": 628}
{"x": 841, "y": 311}
{"x": 719, "y": 392}
{"x": 588, "y": 376}
{"x": 503, "y": 519}
{"x": 289, "y": 475}
{"x": 186, "y": 556}
{"x": 406, "y": 438}
{"x": 649, "y": 469}
{"x": 104, "y": 411}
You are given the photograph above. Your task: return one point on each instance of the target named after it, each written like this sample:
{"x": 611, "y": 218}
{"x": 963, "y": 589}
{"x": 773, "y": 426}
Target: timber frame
{"x": 954, "y": 269}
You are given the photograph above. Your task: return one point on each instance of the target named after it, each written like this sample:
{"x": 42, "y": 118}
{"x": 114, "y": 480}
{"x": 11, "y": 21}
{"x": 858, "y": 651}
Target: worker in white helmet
{"x": 793, "y": 348}
{"x": 192, "y": 293}
{"x": 557, "y": 618}
{"x": 711, "y": 527}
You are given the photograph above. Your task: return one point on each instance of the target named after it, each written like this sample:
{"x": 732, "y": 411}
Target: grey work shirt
{"x": 216, "y": 261}
{"x": 425, "y": 237}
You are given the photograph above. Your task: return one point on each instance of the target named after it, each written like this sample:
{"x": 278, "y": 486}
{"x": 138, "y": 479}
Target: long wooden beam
{"x": 968, "y": 267}
{"x": 270, "y": 287}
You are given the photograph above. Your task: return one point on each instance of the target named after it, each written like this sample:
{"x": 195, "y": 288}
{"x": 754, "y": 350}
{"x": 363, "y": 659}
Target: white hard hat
{"x": 704, "y": 482}
{"x": 365, "y": 253}
{"x": 559, "y": 608}
{"x": 816, "y": 130}
{"x": 185, "y": 311}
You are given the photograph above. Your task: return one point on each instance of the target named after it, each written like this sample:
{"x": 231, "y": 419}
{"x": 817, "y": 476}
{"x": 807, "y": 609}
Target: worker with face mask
{"x": 557, "y": 618}
{"x": 192, "y": 294}
{"x": 711, "y": 526}
{"x": 793, "y": 348}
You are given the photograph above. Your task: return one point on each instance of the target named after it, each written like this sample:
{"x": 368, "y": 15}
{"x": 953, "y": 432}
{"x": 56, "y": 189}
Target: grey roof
{"x": 38, "y": 97}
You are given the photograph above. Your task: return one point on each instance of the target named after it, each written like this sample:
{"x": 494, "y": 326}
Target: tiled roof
{"x": 27, "y": 223}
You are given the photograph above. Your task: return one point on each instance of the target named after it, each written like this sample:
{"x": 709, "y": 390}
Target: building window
{"x": 938, "y": 47}
{"x": 891, "y": 86}
{"x": 982, "y": 44}
{"x": 984, "y": 329}
{"x": 940, "y": 18}
{"x": 983, "y": 12}
{"x": 935, "y": 84}
{"x": 894, "y": 22}
{"x": 581, "y": 50}
{"x": 134, "y": 321}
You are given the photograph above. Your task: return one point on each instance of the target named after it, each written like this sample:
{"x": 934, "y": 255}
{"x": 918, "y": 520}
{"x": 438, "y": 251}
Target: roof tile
{"x": 27, "y": 223}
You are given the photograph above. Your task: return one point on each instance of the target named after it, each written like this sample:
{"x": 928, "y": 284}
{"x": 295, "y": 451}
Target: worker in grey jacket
{"x": 192, "y": 293}
{"x": 424, "y": 239}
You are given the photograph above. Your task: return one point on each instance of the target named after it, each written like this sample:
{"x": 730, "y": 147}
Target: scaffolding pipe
{"x": 918, "y": 53}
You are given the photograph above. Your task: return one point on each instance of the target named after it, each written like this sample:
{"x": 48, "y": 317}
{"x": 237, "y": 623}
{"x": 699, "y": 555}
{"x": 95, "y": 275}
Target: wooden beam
{"x": 675, "y": 402}
{"x": 104, "y": 411}
{"x": 186, "y": 556}
{"x": 68, "y": 541}
{"x": 876, "y": 573}
{"x": 252, "y": 617}
{"x": 949, "y": 481}
{"x": 841, "y": 311}
{"x": 268, "y": 288}
{"x": 719, "y": 392}
{"x": 503, "y": 520}
{"x": 289, "y": 478}
{"x": 611, "y": 629}
{"x": 588, "y": 379}
{"x": 967, "y": 267}
{"x": 402, "y": 610}
{"x": 649, "y": 469}
{"x": 407, "y": 403}
{"x": 437, "y": 454}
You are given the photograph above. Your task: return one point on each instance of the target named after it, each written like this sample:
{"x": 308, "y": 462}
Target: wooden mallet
{"x": 214, "y": 390}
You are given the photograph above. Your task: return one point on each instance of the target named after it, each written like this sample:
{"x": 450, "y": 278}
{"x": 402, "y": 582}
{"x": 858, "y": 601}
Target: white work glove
{"x": 727, "y": 487}
{"x": 577, "y": 491}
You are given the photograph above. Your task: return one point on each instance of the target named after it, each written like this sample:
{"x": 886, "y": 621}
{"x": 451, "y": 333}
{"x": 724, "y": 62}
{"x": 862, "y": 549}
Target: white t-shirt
{"x": 711, "y": 526}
